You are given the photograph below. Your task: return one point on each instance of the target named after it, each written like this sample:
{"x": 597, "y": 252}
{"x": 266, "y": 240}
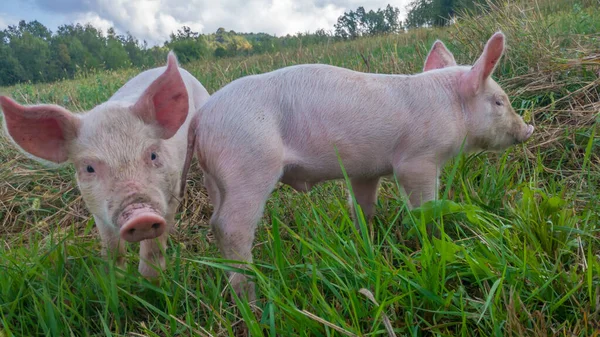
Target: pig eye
{"x": 499, "y": 103}
{"x": 90, "y": 169}
{"x": 153, "y": 156}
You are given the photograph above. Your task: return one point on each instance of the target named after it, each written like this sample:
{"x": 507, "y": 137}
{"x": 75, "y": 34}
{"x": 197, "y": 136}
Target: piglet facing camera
{"x": 128, "y": 153}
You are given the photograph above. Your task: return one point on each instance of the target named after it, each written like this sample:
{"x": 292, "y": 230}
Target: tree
{"x": 114, "y": 55}
{"x": 137, "y": 52}
{"x": 61, "y": 64}
{"x": 220, "y": 52}
{"x": 31, "y": 51}
{"x": 93, "y": 41}
{"x": 230, "y": 43}
{"x": 80, "y": 56}
{"x": 348, "y": 25}
{"x": 360, "y": 22}
{"x": 184, "y": 33}
{"x": 11, "y": 71}
{"x": 238, "y": 45}
{"x": 436, "y": 12}
{"x": 188, "y": 45}
{"x": 392, "y": 19}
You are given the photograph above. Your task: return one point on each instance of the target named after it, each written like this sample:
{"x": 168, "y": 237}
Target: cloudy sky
{"x": 154, "y": 20}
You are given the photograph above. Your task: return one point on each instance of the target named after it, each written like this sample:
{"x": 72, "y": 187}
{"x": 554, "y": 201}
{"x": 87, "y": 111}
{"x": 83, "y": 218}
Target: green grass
{"x": 515, "y": 249}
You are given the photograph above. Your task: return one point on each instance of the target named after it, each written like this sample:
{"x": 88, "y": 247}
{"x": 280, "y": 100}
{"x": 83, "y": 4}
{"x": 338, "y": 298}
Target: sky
{"x": 155, "y": 20}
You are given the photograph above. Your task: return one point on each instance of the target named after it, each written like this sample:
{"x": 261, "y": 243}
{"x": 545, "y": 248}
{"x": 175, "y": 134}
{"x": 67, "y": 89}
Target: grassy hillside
{"x": 518, "y": 247}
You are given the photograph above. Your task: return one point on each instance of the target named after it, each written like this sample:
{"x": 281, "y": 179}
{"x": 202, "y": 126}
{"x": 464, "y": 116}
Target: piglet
{"x": 289, "y": 125}
{"x": 128, "y": 153}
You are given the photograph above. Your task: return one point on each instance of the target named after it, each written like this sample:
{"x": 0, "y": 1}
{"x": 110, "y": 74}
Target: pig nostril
{"x": 155, "y": 225}
{"x": 131, "y": 231}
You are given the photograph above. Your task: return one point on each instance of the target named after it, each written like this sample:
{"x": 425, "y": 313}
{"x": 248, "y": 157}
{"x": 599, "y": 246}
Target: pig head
{"x": 128, "y": 154}
{"x": 490, "y": 121}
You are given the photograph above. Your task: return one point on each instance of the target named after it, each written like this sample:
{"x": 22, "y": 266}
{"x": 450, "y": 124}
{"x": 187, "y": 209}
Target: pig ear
{"x": 43, "y": 131}
{"x": 485, "y": 65}
{"x": 439, "y": 57}
{"x": 165, "y": 102}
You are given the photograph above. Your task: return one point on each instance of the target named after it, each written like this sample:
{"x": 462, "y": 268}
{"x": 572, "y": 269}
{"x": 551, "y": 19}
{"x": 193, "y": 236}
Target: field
{"x": 516, "y": 251}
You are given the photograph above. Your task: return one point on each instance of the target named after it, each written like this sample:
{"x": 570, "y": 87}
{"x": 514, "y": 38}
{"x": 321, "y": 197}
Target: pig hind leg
{"x": 241, "y": 201}
{"x": 365, "y": 193}
{"x": 213, "y": 192}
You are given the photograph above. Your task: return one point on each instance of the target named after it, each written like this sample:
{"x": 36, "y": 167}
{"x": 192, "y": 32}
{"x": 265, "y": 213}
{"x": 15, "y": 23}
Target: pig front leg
{"x": 152, "y": 258}
{"x": 112, "y": 245}
{"x": 419, "y": 178}
{"x": 365, "y": 193}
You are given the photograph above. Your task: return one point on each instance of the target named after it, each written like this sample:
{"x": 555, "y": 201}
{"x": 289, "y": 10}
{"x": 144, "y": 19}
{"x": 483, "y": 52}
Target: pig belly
{"x": 303, "y": 171}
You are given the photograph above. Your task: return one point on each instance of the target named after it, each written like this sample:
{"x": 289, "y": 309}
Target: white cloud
{"x": 6, "y": 20}
{"x": 155, "y": 20}
{"x": 275, "y": 17}
{"x": 94, "y": 20}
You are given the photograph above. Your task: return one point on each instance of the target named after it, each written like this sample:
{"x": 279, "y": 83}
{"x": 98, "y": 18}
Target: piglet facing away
{"x": 128, "y": 153}
{"x": 287, "y": 124}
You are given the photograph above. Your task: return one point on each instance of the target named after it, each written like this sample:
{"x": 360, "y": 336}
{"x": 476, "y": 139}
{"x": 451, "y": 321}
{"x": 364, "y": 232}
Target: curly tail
{"x": 191, "y": 146}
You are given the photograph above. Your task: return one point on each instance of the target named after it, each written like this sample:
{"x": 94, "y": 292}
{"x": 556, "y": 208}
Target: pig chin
{"x": 511, "y": 138}
{"x": 497, "y": 143}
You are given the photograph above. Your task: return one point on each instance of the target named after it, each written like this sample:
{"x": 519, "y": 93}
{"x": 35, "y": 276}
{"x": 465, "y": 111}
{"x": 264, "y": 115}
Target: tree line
{"x": 30, "y": 52}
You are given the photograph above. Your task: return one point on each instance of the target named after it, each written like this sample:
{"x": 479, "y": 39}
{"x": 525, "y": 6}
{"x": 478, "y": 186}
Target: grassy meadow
{"x": 516, "y": 251}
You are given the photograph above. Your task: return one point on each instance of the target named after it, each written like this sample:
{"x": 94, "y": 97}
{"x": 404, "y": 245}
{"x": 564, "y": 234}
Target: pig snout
{"x": 526, "y": 133}
{"x": 529, "y": 131}
{"x": 140, "y": 222}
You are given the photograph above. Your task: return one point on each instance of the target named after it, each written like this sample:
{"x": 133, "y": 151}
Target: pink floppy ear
{"x": 165, "y": 102}
{"x": 439, "y": 57}
{"x": 43, "y": 131}
{"x": 485, "y": 65}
